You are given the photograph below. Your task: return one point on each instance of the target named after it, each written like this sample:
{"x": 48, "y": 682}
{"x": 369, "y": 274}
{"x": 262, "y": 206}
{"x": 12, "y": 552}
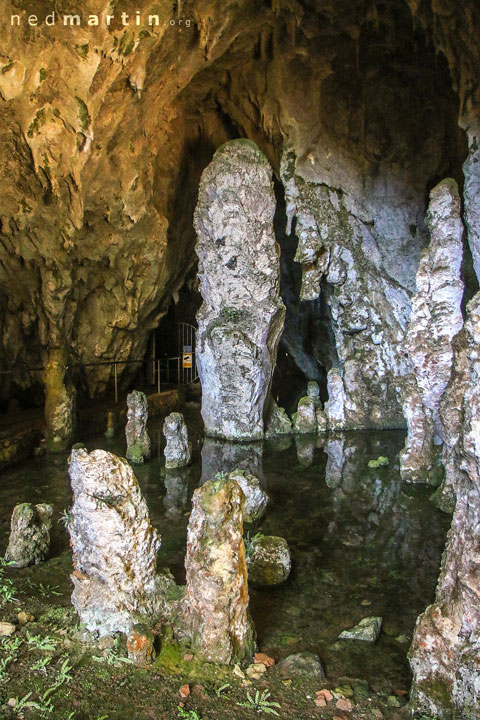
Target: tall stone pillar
{"x": 216, "y": 603}
{"x": 445, "y": 656}
{"x": 241, "y": 319}
{"x": 435, "y": 319}
{"x": 59, "y": 401}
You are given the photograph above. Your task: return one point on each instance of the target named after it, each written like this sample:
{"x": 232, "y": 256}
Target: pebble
{"x": 345, "y": 704}
{"x": 264, "y": 659}
{"x": 185, "y": 691}
{"x": 6, "y": 628}
{"x": 24, "y": 618}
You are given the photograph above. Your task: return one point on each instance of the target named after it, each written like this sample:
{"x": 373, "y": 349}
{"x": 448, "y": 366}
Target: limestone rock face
{"x": 444, "y": 654}
{"x": 436, "y": 318}
{"x": 216, "y": 602}
{"x": 241, "y": 319}
{"x": 29, "y": 541}
{"x": 177, "y": 451}
{"x": 59, "y": 402}
{"x": 335, "y": 405}
{"x": 256, "y": 500}
{"x": 114, "y": 544}
{"x": 277, "y": 421}
{"x": 269, "y": 561}
{"x": 138, "y": 440}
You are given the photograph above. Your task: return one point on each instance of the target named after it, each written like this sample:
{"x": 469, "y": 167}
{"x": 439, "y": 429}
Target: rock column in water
{"x": 241, "y": 319}
{"x": 59, "y": 402}
{"x": 436, "y": 318}
{"x": 216, "y": 603}
{"x": 445, "y": 656}
{"x": 177, "y": 450}
{"x": 138, "y": 441}
{"x": 114, "y": 544}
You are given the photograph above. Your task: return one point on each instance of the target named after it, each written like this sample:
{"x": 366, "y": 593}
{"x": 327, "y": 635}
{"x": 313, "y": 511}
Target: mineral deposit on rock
{"x": 59, "y": 402}
{"x": 216, "y": 613}
{"x": 241, "y": 319}
{"x": 256, "y": 500}
{"x": 444, "y": 655}
{"x": 177, "y": 450}
{"x": 113, "y": 542}
{"x": 436, "y": 318}
{"x": 138, "y": 440}
{"x": 29, "y": 541}
{"x": 269, "y": 561}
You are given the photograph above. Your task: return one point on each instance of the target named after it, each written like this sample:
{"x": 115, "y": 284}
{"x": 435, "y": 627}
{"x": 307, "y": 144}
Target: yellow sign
{"x": 187, "y": 360}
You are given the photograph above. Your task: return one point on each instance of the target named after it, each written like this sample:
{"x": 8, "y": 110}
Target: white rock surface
{"x": 256, "y": 500}
{"x": 177, "y": 450}
{"x": 113, "y": 542}
{"x": 436, "y": 318}
{"x": 241, "y": 319}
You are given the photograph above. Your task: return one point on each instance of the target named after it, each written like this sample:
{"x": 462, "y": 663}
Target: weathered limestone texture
{"x": 216, "y": 603}
{"x": 269, "y": 561}
{"x": 114, "y": 544}
{"x": 444, "y": 655}
{"x": 305, "y": 419}
{"x": 29, "y": 541}
{"x": 277, "y": 421}
{"x": 341, "y": 237}
{"x": 138, "y": 440}
{"x": 335, "y": 405}
{"x": 436, "y": 318}
{"x": 256, "y": 500}
{"x": 177, "y": 450}
{"x": 59, "y": 402}
{"x": 471, "y": 191}
{"x": 241, "y": 319}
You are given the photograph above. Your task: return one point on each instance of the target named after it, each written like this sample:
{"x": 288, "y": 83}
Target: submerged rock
{"x": 215, "y": 615}
{"x": 177, "y": 451}
{"x": 29, "y": 541}
{"x": 138, "y": 440}
{"x": 436, "y": 318}
{"x": 268, "y": 561}
{"x": 114, "y": 545}
{"x": 305, "y": 419}
{"x": 256, "y": 500}
{"x": 366, "y": 630}
{"x": 305, "y": 663}
{"x": 238, "y": 260}
{"x": 444, "y": 654}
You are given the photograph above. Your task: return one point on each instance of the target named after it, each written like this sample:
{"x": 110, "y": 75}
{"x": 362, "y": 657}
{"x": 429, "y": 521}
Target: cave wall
{"x": 106, "y": 131}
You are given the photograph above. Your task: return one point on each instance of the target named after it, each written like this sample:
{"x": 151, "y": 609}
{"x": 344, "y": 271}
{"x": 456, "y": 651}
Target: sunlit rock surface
{"x": 29, "y": 541}
{"x": 436, "y": 318}
{"x": 240, "y": 321}
{"x": 114, "y": 544}
{"x": 256, "y": 500}
{"x": 177, "y": 450}
{"x": 216, "y": 613}
{"x": 138, "y": 440}
{"x": 444, "y": 655}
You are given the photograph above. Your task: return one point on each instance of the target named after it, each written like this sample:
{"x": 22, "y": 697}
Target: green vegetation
{"x": 261, "y": 703}
{"x": 83, "y": 114}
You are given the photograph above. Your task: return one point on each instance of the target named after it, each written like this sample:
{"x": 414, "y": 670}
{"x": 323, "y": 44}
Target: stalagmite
{"x": 216, "y": 603}
{"x": 436, "y": 318}
{"x": 138, "y": 440}
{"x": 241, "y": 319}
{"x": 445, "y": 656}
{"x": 335, "y": 405}
{"x": 256, "y": 500}
{"x": 59, "y": 402}
{"x": 29, "y": 541}
{"x": 113, "y": 542}
{"x": 177, "y": 451}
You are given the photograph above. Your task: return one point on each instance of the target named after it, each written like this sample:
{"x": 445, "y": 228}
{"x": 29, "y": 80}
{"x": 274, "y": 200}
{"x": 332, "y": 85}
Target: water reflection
{"x": 222, "y": 456}
{"x": 176, "y": 483}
